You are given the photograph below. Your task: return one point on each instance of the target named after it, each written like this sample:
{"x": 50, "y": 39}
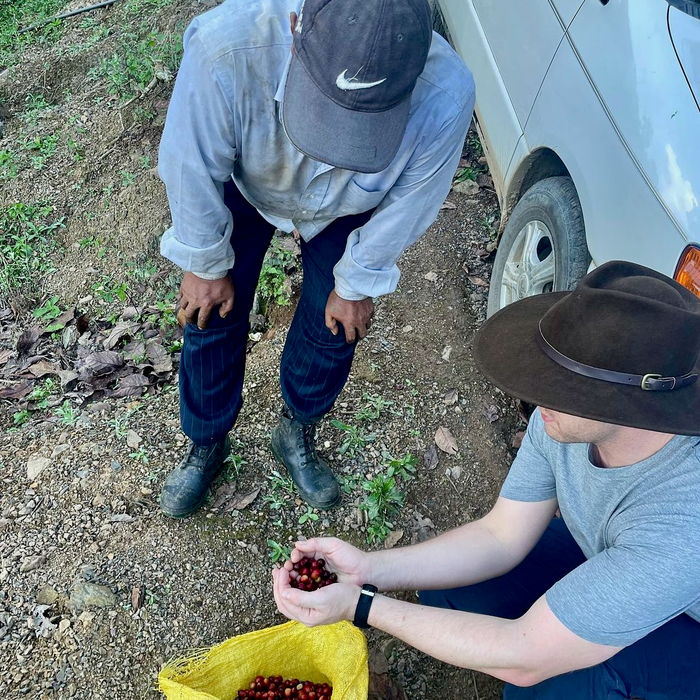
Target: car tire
{"x": 543, "y": 247}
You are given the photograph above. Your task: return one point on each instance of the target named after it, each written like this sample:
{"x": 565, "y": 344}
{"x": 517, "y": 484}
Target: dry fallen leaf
{"x": 241, "y": 502}
{"x": 383, "y": 687}
{"x": 478, "y": 281}
{"x": 100, "y": 363}
{"x": 42, "y": 368}
{"x": 392, "y": 539}
{"x": 445, "y": 441}
{"x": 16, "y": 391}
{"x": 491, "y": 412}
{"x": 138, "y": 596}
{"x": 450, "y": 398}
{"x": 430, "y": 458}
{"x": 448, "y": 205}
{"x": 5, "y": 355}
{"x": 132, "y": 385}
{"x": 27, "y": 340}
{"x": 223, "y": 495}
{"x": 118, "y": 332}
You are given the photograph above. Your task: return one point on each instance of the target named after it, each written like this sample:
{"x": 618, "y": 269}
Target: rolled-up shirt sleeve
{"x": 197, "y": 154}
{"x": 368, "y": 266}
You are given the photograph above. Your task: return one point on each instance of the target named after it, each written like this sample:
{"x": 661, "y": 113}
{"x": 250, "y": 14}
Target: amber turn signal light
{"x": 688, "y": 269}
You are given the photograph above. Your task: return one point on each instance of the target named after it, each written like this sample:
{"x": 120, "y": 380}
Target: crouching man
{"x": 604, "y": 601}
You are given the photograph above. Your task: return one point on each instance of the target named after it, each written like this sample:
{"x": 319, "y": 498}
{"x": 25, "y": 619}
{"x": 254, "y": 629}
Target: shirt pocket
{"x": 356, "y": 199}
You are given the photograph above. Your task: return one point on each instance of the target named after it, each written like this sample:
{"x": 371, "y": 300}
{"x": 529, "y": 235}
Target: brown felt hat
{"x": 622, "y": 348}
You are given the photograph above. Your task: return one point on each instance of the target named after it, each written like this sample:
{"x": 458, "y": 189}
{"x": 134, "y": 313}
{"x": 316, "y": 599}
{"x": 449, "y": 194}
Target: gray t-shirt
{"x": 638, "y": 526}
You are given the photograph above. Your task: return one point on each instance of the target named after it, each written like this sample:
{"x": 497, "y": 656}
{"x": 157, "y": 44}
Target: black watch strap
{"x": 363, "y": 605}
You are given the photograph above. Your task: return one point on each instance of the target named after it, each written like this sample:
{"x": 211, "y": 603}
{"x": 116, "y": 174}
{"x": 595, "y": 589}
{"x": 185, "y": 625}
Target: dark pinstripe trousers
{"x": 315, "y": 363}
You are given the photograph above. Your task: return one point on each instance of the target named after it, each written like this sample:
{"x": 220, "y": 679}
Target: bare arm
{"x": 474, "y": 552}
{"x": 523, "y": 652}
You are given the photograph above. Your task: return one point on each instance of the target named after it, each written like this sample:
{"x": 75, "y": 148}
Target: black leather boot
{"x": 186, "y": 486}
{"x": 293, "y": 444}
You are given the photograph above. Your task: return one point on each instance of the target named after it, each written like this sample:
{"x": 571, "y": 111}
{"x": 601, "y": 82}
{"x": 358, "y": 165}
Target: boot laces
{"x": 198, "y": 456}
{"x": 308, "y": 433}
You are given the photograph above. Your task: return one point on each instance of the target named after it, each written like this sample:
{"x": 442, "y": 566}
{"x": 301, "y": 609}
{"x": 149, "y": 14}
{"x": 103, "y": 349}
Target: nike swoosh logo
{"x": 351, "y": 84}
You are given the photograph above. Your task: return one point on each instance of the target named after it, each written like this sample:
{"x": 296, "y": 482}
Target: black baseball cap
{"x": 352, "y": 73}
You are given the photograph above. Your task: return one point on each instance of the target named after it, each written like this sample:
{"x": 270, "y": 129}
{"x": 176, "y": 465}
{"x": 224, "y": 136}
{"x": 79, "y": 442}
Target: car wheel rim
{"x": 529, "y": 268}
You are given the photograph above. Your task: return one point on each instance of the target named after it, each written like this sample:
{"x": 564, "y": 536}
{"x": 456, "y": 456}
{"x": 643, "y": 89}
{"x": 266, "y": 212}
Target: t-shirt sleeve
{"x": 628, "y": 590}
{"x": 531, "y": 477}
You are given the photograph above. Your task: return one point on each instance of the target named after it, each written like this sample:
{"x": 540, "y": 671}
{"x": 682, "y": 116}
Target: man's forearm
{"x": 474, "y": 552}
{"x": 463, "y": 556}
{"x": 488, "y": 644}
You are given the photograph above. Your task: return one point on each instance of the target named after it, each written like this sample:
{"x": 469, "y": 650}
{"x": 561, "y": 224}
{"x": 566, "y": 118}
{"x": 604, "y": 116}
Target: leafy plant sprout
{"x": 279, "y": 552}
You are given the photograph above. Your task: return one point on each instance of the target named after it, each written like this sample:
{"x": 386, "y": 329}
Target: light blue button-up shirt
{"x": 224, "y": 121}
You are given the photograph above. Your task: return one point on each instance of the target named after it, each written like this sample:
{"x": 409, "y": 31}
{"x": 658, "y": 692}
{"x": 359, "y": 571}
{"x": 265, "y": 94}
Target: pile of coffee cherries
{"x": 276, "y": 688}
{"x": 312, "y": 574}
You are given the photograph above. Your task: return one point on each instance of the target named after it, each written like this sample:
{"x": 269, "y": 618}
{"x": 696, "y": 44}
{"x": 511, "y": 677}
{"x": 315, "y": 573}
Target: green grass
{"x": 129, "y": 70}
{"x": 8, "y": 165}
{"x": 41, "y": 149}
{"x": 26, "y": 246}
{"x": 17, "y": 14}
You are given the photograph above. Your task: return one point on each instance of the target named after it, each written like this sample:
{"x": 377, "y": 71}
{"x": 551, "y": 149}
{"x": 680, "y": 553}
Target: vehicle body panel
{"x": 534, "y": 28}
{"x": 623, "y": 219}
{"x": 612, "y": 103}
{"x": 647, "y": 97}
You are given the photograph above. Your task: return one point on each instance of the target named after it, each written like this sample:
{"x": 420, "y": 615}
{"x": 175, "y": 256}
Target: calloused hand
{"x": 355, "y": 316}
{"x": 199, "y": 297}
{"x": 322, "y": 607}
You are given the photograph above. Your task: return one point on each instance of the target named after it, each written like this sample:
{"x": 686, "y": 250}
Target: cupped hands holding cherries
{"x": 312, "y": 574}
{"x": 302, "y": 586}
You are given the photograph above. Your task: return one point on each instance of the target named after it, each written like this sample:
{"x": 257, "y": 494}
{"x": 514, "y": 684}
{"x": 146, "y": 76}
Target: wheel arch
{"x": 538, "y": 165}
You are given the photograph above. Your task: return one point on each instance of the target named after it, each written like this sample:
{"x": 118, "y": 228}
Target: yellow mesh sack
{"x": 334, "y": 654}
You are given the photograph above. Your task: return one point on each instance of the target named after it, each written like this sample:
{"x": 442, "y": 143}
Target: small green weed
{"x": 139, "y": 455}
{"x": 234, "y": 462}
{"x": 8, "y": 165}
{"x": 67, "y": 414}
{"x": 110, "y": 291}
{"x": 21, "y": 417}
{"x": 272, "y": 285}
{"x": 405, "y": 466}
{"x": 45, "y": 148}
{"x": 130, "y": 69}
{"x": 381, "y": 503}
{"x": 17, "y": 14}
{"x": 374, "y": 407}
{"x": 42, "y": 392}
{"x": 127, "y": 178}
{"x": 309, "y": 515}
{"x": 279, "y": 552}
{"x": 121, "y": 423}
{"x": 35, "y": 105}
{"x": 353, "y": 441}
{"x": 26, "y": 245}
{"x": 464, "y": 174}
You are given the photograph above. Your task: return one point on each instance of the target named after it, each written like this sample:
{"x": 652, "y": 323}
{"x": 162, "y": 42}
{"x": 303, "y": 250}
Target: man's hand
{"x": 198, "y": 298}
{"x": 349, "y": 563}
{"x": 355, "y": 316}
{"x": 322, "y": 607}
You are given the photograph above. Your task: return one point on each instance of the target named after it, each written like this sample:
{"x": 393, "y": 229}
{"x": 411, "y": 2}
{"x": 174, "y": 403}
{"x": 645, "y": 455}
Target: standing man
{"x": 348, "y": 130}
{"x": 604, "y": 602}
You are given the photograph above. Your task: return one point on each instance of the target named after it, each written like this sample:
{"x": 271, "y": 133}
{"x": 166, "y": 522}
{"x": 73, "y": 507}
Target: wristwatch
{"x": 363, "y": 606}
